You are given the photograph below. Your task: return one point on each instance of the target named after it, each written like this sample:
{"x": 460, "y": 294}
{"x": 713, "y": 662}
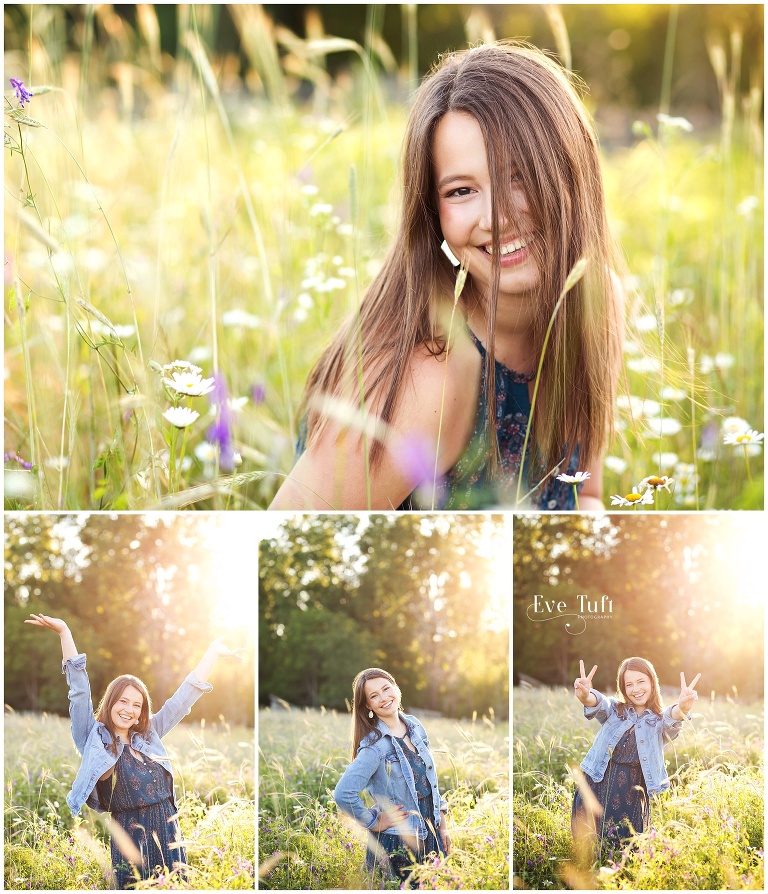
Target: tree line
{"x": 139, "y": 597}
{"x": 679, "y": 598}
{"x": 413, "y": 595}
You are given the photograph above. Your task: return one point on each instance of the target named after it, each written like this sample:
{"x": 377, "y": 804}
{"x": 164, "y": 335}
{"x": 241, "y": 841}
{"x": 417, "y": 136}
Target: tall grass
{"x": 305, "y": 842}
{"x": 45, "y": 848}
{"x": 241, "y": 242}
{"x": 706, "y": 831}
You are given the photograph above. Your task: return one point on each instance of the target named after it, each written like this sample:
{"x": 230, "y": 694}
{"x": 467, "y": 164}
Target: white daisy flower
{"x": 669, "y": 393}
{"x": 665, "y": 460}
{"x": 181, "y": 365}
{"x": 734, "y": 425}
{"x": 191, "y": 383}
{"x": 644, "y": 365}
{"x": 674, "y": 122}
{"x": 180, "y": 417}
{"x": 744, "y": 439}
{"x": 633, "y": 499}
{"x": 665, "y": 426}
{"x": 205, "y": 452}
{"x": 656, "y": 482}
{"x": 747, "y": 206}
{"x": 574, "y": 479}
{"x": 616, "y": 464}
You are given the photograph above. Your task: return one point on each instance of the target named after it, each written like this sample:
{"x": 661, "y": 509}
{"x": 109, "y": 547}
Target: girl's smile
{"x": 638, "y": 687}
{"x": 464, "y": 206}
{"x": 382, "y": 697}
{"x": 127, "y": 709}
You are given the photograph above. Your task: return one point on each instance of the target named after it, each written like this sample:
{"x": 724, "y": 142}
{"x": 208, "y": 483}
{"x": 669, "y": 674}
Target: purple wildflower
{"x": 15, "y": 458}
{"x": 221, "y": 431}
{"x": 258, "y": 393}
{"x": 22, "y": 94}
{"x": 417, "y": 460}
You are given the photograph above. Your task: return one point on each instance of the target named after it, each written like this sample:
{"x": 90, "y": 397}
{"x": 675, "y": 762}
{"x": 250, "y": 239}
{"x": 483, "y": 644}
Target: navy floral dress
{"x": 139, "y": 795}
{"x": 468, "y": 485}
{"x": 622, "y": 795}
{"x": 401, "y": 857}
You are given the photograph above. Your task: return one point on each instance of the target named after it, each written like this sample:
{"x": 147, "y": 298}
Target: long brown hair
{"x": 109, "y": 700}
{"x": 639, "y": 665}
{"x": 530, "y": 116}
{"x": 362, "y": 724}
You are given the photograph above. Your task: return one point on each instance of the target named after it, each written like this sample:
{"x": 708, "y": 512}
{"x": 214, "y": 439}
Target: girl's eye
{"x": 459, "y": 192}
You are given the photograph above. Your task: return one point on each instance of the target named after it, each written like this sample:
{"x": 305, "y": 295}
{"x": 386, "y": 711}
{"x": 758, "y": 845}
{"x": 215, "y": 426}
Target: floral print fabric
{"x": 139, "y": 795}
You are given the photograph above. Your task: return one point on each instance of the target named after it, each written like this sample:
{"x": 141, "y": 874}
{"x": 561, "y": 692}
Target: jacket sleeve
{"x": 355, "y": 779}
{"x": 602, "y": 710}
{"x": 672, "y": 727}
{"x": 81, "y": 716}
{"x": 179, "y": 705}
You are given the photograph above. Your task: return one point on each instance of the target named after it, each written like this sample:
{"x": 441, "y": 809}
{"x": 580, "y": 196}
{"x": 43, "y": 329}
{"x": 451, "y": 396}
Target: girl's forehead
{"x": 375, "y": 684}
{"x": 632, "y": 676}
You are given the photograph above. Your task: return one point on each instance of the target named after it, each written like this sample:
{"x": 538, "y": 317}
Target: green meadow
{"x": 304, "y": 842}
{"x": 706, "y": 831}
{"x": 164, "y": 212}
{"x": 45, "y": 848}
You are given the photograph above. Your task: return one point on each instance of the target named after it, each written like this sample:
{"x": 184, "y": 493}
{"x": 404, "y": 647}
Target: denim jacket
{"x": 652, "y": 731}
{"x": 92, "y": 737}
{"x": 382, "y": 769}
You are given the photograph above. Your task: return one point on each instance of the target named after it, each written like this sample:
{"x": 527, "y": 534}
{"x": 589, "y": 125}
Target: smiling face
{"x": 126, "y": 710}
{"x": 463, "y": 184}
{"x": 638, "y": 688}
{"x": 382, "y": 697}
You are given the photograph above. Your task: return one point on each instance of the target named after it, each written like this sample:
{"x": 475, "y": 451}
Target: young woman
{"x": 125, "y": 768}
{"x": 392, "y": 761}
{"x": 501, "y": 171}
{"x": 626, "y": 763}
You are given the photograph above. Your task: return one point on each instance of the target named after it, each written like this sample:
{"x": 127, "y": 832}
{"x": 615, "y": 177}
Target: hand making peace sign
{"x": 687, "y": 693}
{"x": 583, "y": 683}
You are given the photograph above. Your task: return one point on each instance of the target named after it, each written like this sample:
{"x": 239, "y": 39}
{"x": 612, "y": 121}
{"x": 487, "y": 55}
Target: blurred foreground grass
{"x": 45, "y": 848}
{"x": 706, "y": 831}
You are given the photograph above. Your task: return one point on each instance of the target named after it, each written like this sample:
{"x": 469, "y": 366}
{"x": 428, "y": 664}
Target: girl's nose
{"x": 486, "y": 216}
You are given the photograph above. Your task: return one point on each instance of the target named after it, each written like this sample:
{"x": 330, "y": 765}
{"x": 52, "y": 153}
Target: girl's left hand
{"x": 688, "y": 694}
{"x": 218, "y": 648}
{"x": 446, "y": 837}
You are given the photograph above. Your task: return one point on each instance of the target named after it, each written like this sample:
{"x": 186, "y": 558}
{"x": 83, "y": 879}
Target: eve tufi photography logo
{"x": 583, "y": 609}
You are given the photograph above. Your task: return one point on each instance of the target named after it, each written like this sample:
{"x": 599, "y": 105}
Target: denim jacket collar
{"x": 386, "y": 731}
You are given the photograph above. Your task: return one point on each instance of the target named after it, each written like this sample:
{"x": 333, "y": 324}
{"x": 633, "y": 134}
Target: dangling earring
{"x": 370, "y": 715}
{"x": 450, "y": 255}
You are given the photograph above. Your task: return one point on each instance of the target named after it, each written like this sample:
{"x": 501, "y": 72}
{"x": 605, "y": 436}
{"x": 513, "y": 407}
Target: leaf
{"x": 12, "y": 298}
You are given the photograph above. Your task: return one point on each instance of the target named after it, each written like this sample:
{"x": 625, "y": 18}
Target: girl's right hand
{"x": 583, "y": 683}
{"x": 391, "y": 816}
{"x": 45, "y": 621}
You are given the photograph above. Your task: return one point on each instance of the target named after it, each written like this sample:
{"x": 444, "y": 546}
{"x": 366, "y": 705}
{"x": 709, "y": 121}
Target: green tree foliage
{"x": 406, "y": 593}
{"x": 677, "y": 599}
{"x": 139, "y": 597}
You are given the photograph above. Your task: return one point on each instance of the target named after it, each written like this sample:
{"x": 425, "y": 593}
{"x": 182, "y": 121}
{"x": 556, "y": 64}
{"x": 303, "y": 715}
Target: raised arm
{"x": 180, "y": 703}
{"x": 80, "y": 702}
{"x": 688, "y": 696}
{"x": 216, "y": 650}
{"x": 68, "y": 649}
{"x": 582, "y": 685}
